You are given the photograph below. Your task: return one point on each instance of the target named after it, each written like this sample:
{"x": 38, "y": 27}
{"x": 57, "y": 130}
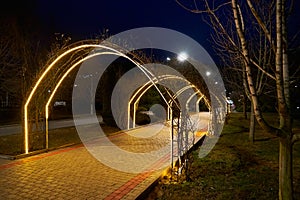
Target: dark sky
{"x": 83, "y": 19}
{"x": 88, "y": 17}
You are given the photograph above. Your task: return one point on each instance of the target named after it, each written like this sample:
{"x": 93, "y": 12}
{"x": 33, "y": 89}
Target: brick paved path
{"x": 73, "y": 173}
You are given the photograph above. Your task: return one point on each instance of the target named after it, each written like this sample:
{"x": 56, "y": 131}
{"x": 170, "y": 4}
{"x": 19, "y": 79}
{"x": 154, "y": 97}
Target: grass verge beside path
{"x": 234, "y": 169}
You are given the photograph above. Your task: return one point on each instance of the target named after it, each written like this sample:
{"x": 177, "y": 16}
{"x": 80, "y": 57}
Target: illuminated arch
{"x": 138, "y": 94}
{"x": 39, "y": 82}
{"x": 79, "y": 54}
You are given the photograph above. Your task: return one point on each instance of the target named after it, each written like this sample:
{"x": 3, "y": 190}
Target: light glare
{"x": 182, "y": 57}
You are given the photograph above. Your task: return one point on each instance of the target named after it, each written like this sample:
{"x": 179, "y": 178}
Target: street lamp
{"x": 182, "y": 56}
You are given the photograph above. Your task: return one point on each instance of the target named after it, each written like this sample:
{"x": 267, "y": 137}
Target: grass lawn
{"x": 234, "y": 169}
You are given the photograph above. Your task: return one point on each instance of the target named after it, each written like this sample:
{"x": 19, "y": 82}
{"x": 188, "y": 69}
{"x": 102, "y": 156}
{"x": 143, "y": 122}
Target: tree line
{"x": 253, "y": 40}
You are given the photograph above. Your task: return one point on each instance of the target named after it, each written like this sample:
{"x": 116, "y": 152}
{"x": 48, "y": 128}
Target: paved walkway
{"x": 73, "y": 173}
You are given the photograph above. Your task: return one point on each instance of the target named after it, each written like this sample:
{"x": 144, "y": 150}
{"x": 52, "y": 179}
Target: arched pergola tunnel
{"x": 135, "y": 98}
{"x": 181, "y": 131}
{"x": 55, "y": 73}
{"x": 74, "y": 56}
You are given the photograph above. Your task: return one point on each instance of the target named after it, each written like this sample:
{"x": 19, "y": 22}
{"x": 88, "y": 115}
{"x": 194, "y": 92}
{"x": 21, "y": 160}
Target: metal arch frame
{"x": 60, "y": 82}
{"x": 136, "y": 93}
{"x": 179, "y": 92}
{"x": 163, "y": 77}
{"x": 181, "y": 143}
{"x": 197, "y": 102}
{"x": 146, "y": 72}
{"x": 160, "y": 78}
{"x": 152, "y": 79}
{"x": 36, "y": 85}
{"x": 219, "y": 117}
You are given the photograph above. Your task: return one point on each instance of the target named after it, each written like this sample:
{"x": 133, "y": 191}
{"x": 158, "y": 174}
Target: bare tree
{"x": 275, "y": 45}
{"x": 8, "y": 71}
{"x": 22, "y": 54}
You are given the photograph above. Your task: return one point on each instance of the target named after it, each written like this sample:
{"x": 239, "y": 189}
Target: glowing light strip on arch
{"x": 26, "y": 131}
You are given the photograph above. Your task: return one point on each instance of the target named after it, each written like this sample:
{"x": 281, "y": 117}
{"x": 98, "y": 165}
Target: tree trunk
{"x": 285, "y": 169}
{"x": 252, "y": 124}
{"x": 282, "y": 87}
{"x": 245, "y": 106}
{"x": 253, "y": 93}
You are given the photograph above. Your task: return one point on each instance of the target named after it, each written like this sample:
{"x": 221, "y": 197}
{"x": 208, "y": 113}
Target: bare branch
{"x": 253, "y": 92}
{"x": 197, "y": 11}
{"x": 220, "y": 6}
{"x": 264, "y": 71}
{"x": 190, "y": 10}
{"x": 195, "y": 5}
{"x": 261, "y": 24}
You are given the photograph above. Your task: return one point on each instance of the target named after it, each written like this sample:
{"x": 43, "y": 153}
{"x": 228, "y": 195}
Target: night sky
{"x": 89, "y": 17}
{"x": 84, "y": 19}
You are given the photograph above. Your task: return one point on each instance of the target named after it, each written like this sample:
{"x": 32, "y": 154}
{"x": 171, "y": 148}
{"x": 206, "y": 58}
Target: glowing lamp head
{"x": 182, "y": 57}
